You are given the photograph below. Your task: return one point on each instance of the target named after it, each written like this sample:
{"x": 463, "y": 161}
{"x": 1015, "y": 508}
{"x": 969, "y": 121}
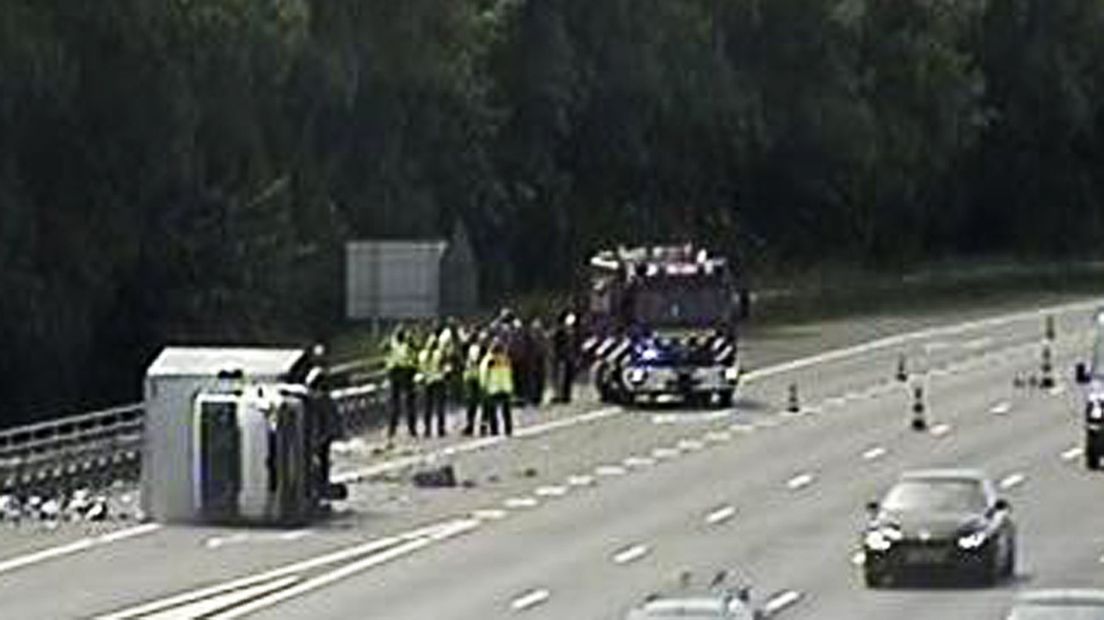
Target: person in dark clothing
{"x": 564, "y": 352}
{"x": 538, "y": 362}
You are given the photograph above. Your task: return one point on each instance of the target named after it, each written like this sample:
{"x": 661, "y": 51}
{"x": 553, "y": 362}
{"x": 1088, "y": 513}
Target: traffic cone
{"x": 919, "y": 421}
{"x": 1047, "y": 379}
{"x": 902, "y": 371}
{"x": 794, "y": 405}
{"x": 1049, "y": 332}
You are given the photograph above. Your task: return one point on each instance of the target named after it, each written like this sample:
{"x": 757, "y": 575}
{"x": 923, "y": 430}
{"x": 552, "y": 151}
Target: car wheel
{"x": 991, "y": 568}
{"x": 874, "y": 578}
{"x": 724, "y": 398}
{"x": 1009, "y": 568}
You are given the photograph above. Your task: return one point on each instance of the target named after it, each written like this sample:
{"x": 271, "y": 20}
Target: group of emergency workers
{"x": 489, "y": 369}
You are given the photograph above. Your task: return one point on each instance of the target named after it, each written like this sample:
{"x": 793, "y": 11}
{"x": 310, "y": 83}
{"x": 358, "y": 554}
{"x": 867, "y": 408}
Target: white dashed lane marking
{"x": 550, "y": 491}
{"x": 664, "y": 453}
{"x": 799, "y": 481}
{"x": 718, "y": 436}
{"x": 530, "y": 599}
{"x": 781, "y": 601}
{"x": 874, "y": 453}
{"x": 720, "y": 515}
{"x": 636, "y": 462}
{"x": 489, "y": 514}
{"x": 1071, "y": 454}
{"x": 1057, "y": 390}
{"x": 740, "y": 427}
{"x": 690, "y": 445}
{"x": 520, "y": 502}
{"x": 630, "y": 554}
{"x": 940, "y": 430}
{"x": 609, "y": 470}
{"x": 1001, "y": 408}
{"x": 580, "y": 481}
{"x": 1012, "y": 481}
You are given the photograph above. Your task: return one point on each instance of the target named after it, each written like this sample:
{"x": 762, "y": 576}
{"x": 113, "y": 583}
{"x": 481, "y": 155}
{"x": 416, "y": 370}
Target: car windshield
{"x": 1065, "y": 611}
{"x": 936, "y": 496}
{"x": 678, "y": 304}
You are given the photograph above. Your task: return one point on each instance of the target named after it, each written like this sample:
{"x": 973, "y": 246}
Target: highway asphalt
{"x": 592, "y": 507}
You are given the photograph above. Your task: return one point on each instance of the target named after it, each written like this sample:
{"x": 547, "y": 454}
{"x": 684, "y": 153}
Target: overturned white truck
{"x": 236, "y": 435}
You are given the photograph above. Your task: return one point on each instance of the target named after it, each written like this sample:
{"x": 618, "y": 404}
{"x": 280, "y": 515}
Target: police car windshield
{"x": 667, "y": 303}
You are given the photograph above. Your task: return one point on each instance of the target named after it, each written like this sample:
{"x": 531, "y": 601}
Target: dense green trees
{"x": 186, "y": 170}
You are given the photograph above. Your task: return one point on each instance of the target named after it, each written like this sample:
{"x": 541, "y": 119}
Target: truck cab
{"x": 665, "y": 323}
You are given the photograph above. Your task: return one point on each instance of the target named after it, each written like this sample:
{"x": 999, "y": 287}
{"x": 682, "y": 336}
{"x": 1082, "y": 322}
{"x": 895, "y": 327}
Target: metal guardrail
{"x": 96, "y": 449}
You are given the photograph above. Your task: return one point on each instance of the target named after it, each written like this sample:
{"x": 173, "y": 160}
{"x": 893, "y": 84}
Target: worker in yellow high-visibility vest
{"x": 431, "y": 365}
{"x": 473, "y": 386}
{"x": 401, "y": 367}
{"x": 497, "y": 377}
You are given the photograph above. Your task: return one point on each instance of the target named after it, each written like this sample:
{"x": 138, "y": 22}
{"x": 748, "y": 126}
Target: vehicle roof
{"x": 976, "y": 475}
{"x": 209, "y": 361}
{"x": 1060, "y": 596}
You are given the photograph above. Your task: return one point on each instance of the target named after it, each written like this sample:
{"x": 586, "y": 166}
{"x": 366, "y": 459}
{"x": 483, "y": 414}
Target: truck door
{"x": 218, "y": 475}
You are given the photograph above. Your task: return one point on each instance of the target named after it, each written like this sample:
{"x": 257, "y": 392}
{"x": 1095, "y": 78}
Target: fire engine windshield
{"x": 674, "y": 303}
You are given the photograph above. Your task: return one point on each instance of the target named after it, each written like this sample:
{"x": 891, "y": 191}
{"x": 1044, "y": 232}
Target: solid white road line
{"x": 799, "y": 481}
{"x": 1073, "y": 453}
{"x": 360, "y": 474}
{"x": 740, "y": 427}
{"x": 365, "y": 549}
{"x": 874, "y": 453}
{"x": 74, "y": 547}
{"x": 630, "y": 554}
{"x": 720, "y": 515}
{"x": 781, "y": 601}
{"x": 207, "y": 606}
{"x": 532, "y": 598}
{"x": 1012, "y": 480}
{"x": 344, "y": 572}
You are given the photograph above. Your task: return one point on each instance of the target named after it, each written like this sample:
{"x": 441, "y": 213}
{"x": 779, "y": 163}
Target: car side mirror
{"x": 1081, "y": 373}
{"x": 872, "y": 509}
{"x": 1001, "y": 505}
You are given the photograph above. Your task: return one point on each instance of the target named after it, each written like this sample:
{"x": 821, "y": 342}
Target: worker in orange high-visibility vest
{"x": 497, "y": 377}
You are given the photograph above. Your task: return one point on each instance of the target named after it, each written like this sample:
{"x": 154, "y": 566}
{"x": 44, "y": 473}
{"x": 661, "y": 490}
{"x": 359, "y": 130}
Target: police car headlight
{"x": 636, "y": 375}
{"x": 882, "y": 539}
{"x": 732, "y": 373}
{"x": 972, "y": 541}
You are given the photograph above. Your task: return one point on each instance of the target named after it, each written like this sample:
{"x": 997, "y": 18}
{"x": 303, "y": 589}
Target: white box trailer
{"x": 232, "y": 435}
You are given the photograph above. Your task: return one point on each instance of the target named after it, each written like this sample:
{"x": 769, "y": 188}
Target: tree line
{"x": 187, "y": 170}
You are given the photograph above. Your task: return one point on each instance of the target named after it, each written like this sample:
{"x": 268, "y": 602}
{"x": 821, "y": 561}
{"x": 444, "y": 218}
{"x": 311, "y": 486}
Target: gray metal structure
{"x": 410, "y": 279}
